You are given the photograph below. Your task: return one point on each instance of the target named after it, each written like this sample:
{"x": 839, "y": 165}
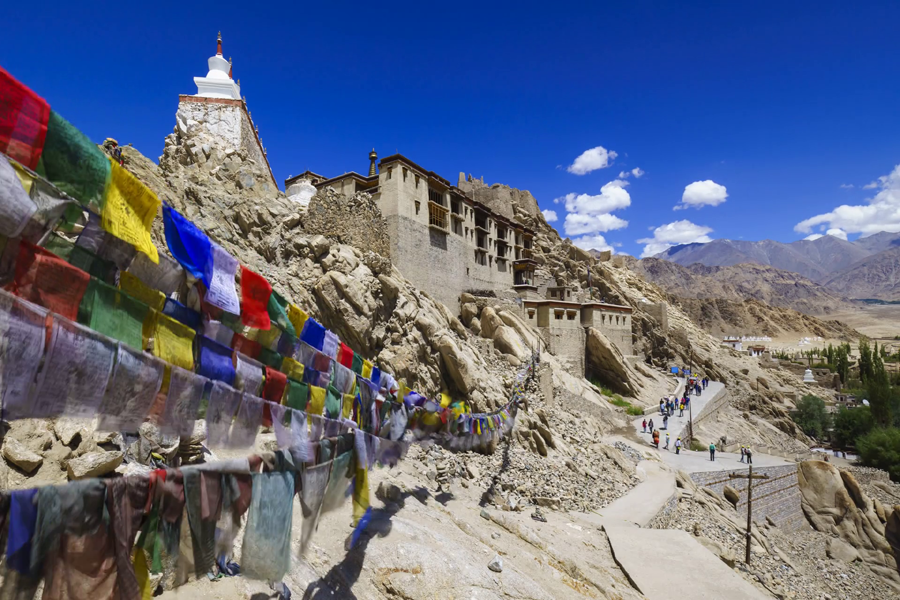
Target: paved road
{"x": 643, "y": 502}
{"x": 678, "y": 425}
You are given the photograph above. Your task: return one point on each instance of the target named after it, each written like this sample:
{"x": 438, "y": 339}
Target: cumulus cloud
{"x": 672, "y": 234}
{"x": 591, "y": 160}
{"x": 637, "y": 172}
{"x": 881, "y": 213}
{"x": 550, "y": 215}
{"x": 612, "y": 196}
{"x": 871, "y": 185}
{"x": 702, "y": 193}
{"x": 813, "y": 237}
{"x": 593, "y": 242}
{"x": 578, "y": 224}
{"x": 847, "y": 186}
{"x": 838, "y": 233}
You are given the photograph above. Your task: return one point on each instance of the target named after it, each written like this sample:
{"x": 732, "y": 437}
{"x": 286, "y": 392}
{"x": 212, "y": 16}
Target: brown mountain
{"x": 813, "y": 259}
{"x": 741, "y": 282}
{"x": 876, "y": 276}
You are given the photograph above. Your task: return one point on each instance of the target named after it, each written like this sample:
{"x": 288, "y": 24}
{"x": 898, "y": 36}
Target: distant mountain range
{"x": 866, "y": 268}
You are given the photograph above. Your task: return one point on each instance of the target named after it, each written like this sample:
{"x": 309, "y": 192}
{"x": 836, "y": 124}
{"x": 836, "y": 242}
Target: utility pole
{"x": 690, "y": 403}
{"x": 749, "y": 477}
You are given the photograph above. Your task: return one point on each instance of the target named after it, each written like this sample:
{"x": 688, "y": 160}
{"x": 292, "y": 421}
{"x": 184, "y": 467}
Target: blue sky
{"x": 780, "y": 104}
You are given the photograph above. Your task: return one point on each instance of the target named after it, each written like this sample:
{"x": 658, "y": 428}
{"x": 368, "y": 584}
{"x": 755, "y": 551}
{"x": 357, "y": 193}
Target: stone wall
{"x": 777, "y": 497}
{"x": 615, "y": 325}
{"x": 226, "y": 123}
{"x": 567, "y": 344}
{"x": 355, "y": 221}
{"x": 721, "y": 399}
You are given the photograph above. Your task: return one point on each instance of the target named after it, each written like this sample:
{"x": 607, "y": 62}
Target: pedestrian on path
{"x": 712, "y": 451}
{"x": 644, "y": 425}
{"x": 678, "y": 446}
{"x": 749, "y": 454}
{"x": 661, "y": 402}
{"x": 666, "y": 422}
{"x": 650, "y": 425}
{"x": 667, "y": 440}
{"x": 681, "y": 407}
{"x": 743, "y": 453}
{"x": 656, "y": 438}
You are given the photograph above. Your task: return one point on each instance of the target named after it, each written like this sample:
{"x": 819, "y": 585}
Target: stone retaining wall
{"x": 777, "y": 497}
{"x": 720, "y": 400}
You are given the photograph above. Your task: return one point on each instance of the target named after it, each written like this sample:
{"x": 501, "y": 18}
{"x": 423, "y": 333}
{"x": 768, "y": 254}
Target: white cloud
{"x": 847, "y": 186}
{"x": 550, "y": 216}
{"x": 838, "y": 233}
{"x": 871, "y": 185}
{"x": 578, "y": 224}
{"x": 593, "y": 242}
{"x": 672, "y": 234}
{"x": 591, "y": 160}
{"x": 882, "y": 213}
{"x": 637, "y": 172}
{"x": 813, "y": 237}
{"x": 702, "y": 193}
{"x": 612, "y": 196}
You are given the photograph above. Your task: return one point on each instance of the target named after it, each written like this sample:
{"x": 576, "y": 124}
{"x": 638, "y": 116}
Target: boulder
{"x": 496, "y": 565}
{"x": 732, "y": 495}
{"x": 93, "y": 464}
{"x": 34, "y": 434}
{"x": 606, "y": 362}
{"x": 507, "y": 341}
{"x": 724, "y": 554}
{"x": 468, "y": 312}
{"x": 70, "y": 430}
{"x": 475, "y": 326}
{"x": 842, "y": 551}
{"x": 459, "y": 365}
{"x": 16, "y": 453}
{"x": 4, "y": 476}
{"x": 490, "y": 321}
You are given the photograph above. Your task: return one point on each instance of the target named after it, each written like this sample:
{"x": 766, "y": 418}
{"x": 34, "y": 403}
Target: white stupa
{"x": 218, "y": 82}
{"x": 808, "y": 377}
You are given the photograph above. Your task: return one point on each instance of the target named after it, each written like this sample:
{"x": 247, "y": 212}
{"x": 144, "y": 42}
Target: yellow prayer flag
{"x": 367, "y": 369}
{"x": 360, "y": 493}
{"x": 129, "y": 210}
{"x": 267, "y": 337}
{"x": 316, "y": 404}
{"x": 136, "y": 288}
{"x": 24, "y": 176}
{"x": 174, "y": 342}
{"x": 292, "y": 368}
{"x": 445, "y": 400}
{"x": 347, "y": 408}
{"x": 297, "y": 318}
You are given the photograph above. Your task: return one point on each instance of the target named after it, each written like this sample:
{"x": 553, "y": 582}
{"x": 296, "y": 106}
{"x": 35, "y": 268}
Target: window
{"x": 531, "y": 313}
{"x": 390, "y": 172}
{"x": 570, "y": 315}
{"x": 418, "y": 204}
{"x": 405, "y": 172}
{"x": 437, "y": 216}
{"x": 558, "y": 314}
{"x": 435, "y": 196}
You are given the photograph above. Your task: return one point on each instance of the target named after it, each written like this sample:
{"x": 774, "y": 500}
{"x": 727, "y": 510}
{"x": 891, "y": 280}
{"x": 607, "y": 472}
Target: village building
{"x": 734, "y": 343}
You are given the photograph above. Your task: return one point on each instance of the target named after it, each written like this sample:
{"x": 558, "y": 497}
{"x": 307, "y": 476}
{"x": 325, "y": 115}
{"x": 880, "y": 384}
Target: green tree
{"x": 842, "y": 363}
{"x": 812, "y": 416}
{"x": 880, "y": 448}
{"x": 850, "y": 424}
{"x": 866, "y": 367}
{"x": 878, "y": 390}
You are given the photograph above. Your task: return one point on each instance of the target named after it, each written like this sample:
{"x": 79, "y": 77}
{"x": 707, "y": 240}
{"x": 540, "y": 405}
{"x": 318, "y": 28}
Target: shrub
{"x": 618, "y": 401}
{"x": 880, "y": 448}
{"x": 850, "y": 424}
{"x": 634, "y": 411}
{"x": 698, "y": 446}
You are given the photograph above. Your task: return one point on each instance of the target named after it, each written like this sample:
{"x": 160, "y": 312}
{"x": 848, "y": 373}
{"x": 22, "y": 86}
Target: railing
{"x": 437, "y": 215}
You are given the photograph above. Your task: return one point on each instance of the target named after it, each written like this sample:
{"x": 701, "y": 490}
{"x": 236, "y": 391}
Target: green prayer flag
{"x": 59, "y": 246}
{"x": 278, "y": 313}
{"x": 90, "y": 263}
{"x": 270, "y": 358}
{"x": 333, "y": 403}
{"x": 297, "y": 395}
{"x": 118, "y": 315}
{"x": 357, "y": 364}
{"x": 73, "y": 163}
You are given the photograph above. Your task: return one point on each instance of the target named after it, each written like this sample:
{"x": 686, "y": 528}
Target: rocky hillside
{"x": 747, "y": 281}
{"x": 876, "y": 276}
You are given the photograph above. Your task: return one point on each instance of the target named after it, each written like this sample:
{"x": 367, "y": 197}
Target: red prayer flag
{"x": 345, "y": 356}
{"x": 23, "y": 121}
{"x": 241, "y": 344}
{"x": 273, "y": 389}
{"x": 255, "y": 292}
{"x": 48, "y": 281}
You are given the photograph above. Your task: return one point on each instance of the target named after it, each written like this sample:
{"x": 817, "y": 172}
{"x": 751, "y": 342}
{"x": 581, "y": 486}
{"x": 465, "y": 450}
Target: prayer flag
{"x": 182, "y": 314}
{"x": 51, "y": 204}
{"x": 313, "y": 334}
{"x": 167, "y": 276}
{"x": 331, "y": 344}
{"x": 215, "y": 360}
{"x": 297, "y": 317}
{"x": 105, "y": 245}
{"x": 297, "y": 395}
{"x": 182, "y": 402}
{"x": 74, "y": 164}
{"x": 277, "y": 308}
{"x": 219, "y": 280}
{"x": 117, "y": 315}
{"x": 333, "y": 403}
{"x": 173, "y": 342}
{"x": 48, "y": 281}
{"x": 345, "y": 356}
{"x": 223, "y": 404}
{"x": 270, "y": 358}
{"x": 273, "y": 389}
{"x": 16, "y": 207}
{"x": 255, "y": 293}
{"x": 132, "y": 390}
{"x": 23, "y": 121}
{"x": 129, "y": 209}
{"x": 190, "y": 246}
{"x": 22, "y": 338}
{"x": 358, "y": 364}
{"x": 250, "y": 374}
{"x": 215, "y": 330}
{"x": 135, "y": 288}
{"x": 246, "y": 423}
{"x": 292, "y": 368}
{"x": 246, "y": 346}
